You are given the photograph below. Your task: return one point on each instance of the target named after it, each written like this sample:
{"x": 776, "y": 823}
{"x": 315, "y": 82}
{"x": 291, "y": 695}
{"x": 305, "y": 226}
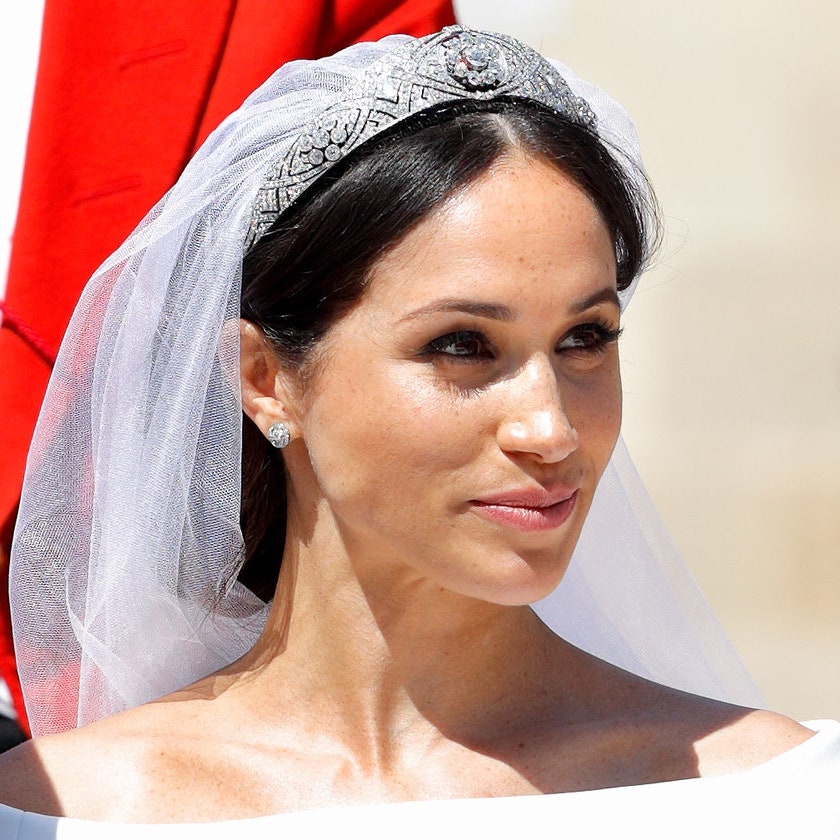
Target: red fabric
{"x": 126, "y": 91}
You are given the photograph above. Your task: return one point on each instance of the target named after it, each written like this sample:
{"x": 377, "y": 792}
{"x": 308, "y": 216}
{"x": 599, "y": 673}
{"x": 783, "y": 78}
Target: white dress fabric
{"x": 794, "y": 795}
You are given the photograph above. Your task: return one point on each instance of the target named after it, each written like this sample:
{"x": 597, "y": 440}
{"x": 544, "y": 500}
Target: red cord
{"x": 30, "y": 336}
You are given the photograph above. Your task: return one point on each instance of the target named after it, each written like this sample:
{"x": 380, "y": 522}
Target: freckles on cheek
{"x": 370, "y": 414}
{"x": 596, "y": 415}
{"x": 436, "y": 425}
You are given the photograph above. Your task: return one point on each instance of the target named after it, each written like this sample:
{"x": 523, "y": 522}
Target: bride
{"x": 439, "y": 238}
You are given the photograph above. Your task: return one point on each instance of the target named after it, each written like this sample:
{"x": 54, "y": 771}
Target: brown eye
{"x": 589, "y": 337}
{"x": 461, "y": 345}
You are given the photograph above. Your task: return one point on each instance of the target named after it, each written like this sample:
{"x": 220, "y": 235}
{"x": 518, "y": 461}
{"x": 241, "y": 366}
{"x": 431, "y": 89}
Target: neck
{"x": 368, "y": 651}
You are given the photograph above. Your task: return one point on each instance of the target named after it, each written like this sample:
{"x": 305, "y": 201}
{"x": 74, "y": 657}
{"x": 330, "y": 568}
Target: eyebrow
{"x": 500, "y": 312}
{"x": 496, "y": 311}
{"x": 606, "y": 295}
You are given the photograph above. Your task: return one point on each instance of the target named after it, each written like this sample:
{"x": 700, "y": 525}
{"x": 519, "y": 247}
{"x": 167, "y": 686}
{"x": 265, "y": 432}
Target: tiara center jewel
{"x": 475, "y": 62}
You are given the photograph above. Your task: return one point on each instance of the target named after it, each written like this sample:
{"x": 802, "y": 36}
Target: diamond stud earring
{"x": 279, "y": 435}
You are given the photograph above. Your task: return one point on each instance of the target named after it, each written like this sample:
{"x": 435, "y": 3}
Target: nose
{"x": 535, "y": 422}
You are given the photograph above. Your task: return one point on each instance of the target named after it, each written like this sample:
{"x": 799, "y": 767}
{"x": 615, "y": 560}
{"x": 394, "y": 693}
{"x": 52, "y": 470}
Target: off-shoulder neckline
{"x": 826, "y": 733}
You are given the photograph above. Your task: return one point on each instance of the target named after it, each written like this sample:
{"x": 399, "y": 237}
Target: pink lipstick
{"x": 528, "y": 510}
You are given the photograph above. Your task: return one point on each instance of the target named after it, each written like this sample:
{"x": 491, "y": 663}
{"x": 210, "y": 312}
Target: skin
{"x": 400, "y": 660}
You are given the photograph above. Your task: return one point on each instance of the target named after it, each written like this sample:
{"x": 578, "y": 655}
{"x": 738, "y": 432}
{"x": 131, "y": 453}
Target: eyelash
{"x": 464, "y": 338}
{"x": 600, "y": 337}
{"x": 594, "y": 338}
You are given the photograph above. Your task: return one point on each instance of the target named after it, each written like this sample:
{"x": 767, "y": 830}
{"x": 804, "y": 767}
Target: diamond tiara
{"x": 451, "y": 65}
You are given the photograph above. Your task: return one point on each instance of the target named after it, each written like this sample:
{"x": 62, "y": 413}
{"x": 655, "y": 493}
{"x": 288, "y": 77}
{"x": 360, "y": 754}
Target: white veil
{"x": 123, "y": 578}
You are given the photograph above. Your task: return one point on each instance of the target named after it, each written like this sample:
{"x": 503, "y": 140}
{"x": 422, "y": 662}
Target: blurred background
{"x": 731, "y": 350}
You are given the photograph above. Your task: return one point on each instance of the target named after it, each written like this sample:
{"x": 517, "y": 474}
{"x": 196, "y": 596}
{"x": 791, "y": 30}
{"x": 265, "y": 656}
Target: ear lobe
{"x": 264, "y": 395}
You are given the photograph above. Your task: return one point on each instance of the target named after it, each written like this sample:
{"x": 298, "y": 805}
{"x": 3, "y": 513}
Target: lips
{"x": 531, "y": 509}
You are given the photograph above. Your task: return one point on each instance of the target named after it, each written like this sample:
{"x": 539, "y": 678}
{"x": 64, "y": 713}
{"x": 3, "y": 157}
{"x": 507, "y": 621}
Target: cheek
{"x": 378, "y": 434}
{"x": 595, "y": 411}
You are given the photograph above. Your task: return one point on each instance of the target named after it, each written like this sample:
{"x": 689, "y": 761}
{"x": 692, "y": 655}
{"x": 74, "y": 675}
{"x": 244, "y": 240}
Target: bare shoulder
{"x": 24, "y": 782}
{"x": 661, "y": 733}
{"x": 624, "y": 730}
{"x": 44, "y": 775}
{"x": 746, "y": 738}
{"x": 724, "y": 738}
{"x": 53, "y": 775}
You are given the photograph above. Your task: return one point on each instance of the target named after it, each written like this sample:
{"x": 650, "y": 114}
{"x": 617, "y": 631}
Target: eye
{"x": 462, "y": 345}
{"x": 589, "y": 338}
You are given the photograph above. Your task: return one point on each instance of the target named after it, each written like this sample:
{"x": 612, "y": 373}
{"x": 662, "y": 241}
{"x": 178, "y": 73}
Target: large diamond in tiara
{"x": 475, "y": 62}
{"x": 451, "y": 65}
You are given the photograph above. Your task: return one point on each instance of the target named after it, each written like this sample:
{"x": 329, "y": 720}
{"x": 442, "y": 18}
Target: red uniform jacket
{"x": 125, "y": 93}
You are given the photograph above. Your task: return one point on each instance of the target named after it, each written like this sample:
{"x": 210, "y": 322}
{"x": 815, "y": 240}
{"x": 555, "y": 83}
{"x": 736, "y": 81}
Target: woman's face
{"x": 462, "y": 412}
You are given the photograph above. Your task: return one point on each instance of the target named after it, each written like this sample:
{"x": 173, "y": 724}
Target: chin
{"x": 523, "y": 581}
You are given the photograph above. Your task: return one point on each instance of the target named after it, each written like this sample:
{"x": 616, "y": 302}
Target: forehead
{"x": 523, "y": 224}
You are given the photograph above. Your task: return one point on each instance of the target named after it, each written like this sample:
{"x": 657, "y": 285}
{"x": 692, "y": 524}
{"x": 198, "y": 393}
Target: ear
{"x": 266, "y": 393}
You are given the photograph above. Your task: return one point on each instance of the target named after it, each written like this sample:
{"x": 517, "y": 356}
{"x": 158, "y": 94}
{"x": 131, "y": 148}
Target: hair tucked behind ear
{"x": 313, "y": 264}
